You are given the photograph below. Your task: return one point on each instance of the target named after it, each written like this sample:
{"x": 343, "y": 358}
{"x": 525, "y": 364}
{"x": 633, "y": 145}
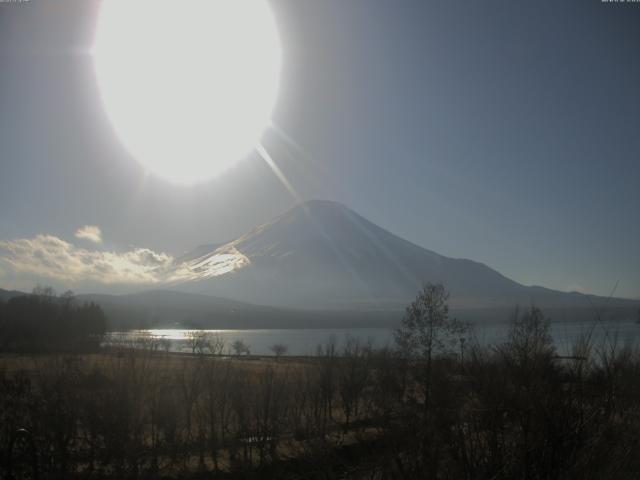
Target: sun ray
{"x": 278, "y": 172}
{"x": 287, "y": 184}
{"x": 289, "y": 140}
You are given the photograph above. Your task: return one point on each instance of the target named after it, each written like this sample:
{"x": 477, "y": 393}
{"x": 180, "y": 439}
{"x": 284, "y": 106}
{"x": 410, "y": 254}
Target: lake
{"x": 305, "y": 341}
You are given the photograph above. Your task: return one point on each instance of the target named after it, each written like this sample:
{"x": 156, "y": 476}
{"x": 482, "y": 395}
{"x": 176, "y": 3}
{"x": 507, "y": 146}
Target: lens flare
{"x": 190, "y": 85}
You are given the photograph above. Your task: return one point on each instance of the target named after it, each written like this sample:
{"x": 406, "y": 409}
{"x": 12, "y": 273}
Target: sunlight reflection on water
{"x": 305, "y": 341}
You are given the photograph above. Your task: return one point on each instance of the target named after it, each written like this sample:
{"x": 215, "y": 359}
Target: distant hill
{"x": 172, "y": 309}
{"x": 8, "y": 294}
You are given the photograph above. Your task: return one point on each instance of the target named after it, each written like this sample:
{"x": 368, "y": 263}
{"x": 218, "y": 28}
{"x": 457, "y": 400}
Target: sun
{"x": 188, "y": 85}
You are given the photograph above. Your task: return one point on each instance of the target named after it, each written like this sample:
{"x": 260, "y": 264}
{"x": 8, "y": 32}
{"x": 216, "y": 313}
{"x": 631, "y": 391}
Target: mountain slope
{"x": 320, "y": 254}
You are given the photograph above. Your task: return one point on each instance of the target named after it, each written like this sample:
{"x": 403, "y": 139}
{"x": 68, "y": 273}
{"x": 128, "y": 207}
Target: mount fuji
{"x": 322, "y": 255}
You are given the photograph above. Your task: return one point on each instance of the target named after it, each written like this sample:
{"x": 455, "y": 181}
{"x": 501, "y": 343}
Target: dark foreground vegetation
{"x": 437, "y": 407}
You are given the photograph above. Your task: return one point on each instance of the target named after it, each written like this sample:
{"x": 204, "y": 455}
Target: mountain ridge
{"x": 321, "y": 254}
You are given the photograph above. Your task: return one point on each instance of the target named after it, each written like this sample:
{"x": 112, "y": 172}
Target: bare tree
{"x": 216, "y": 406}
{"x": 216, "y": 344}
{"x": 427, "y": 331}
{"x": 530, "y": 347}
{"x": 279, "y": 349}
{"x": 426, "y": 327}
{"x": 46, "y": 294}
{"x": 198, "y": 341}
{"x": 353, "y": 377}
{"x": 68, "y": 299}
{"x": 240, "y": 348}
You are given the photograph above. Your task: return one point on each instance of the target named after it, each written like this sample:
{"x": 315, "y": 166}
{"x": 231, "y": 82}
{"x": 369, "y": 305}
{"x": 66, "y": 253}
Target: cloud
{"x": 51, "y": 257}
{"x": 90, "y": 232}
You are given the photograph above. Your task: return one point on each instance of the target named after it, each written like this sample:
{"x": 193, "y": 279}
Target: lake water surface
{"x": 305, "y": 341}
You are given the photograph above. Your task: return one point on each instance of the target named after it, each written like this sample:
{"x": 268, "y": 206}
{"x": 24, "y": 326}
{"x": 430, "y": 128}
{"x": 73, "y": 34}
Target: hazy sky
{"x": 505, "y": 132}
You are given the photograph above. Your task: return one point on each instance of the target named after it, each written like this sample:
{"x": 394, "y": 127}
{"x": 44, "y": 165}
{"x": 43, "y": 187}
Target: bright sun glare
{"x": 188, "y": 85}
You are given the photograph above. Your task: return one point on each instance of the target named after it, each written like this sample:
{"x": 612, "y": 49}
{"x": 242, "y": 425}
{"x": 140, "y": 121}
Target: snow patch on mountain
{"x": 223, "y": 260}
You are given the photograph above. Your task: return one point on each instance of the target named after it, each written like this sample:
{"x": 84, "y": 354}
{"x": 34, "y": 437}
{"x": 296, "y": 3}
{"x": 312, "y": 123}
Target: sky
{"x": 504, "y": 132}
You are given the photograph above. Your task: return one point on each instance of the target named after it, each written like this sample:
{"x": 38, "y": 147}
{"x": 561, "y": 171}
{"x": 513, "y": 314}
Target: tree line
{"x": 46, "y": 322}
